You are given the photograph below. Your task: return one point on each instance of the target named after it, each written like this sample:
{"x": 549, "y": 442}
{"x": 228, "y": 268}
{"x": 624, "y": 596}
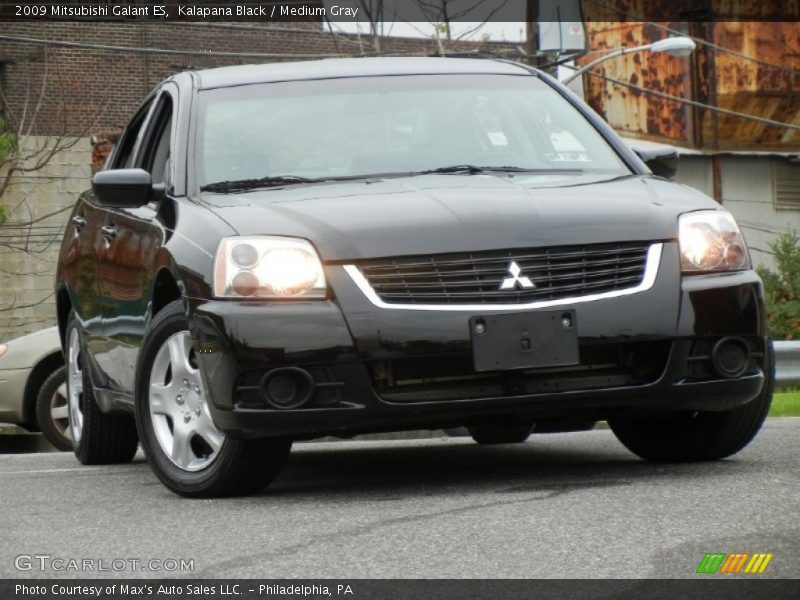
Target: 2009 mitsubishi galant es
{"x": 287, "y": 251}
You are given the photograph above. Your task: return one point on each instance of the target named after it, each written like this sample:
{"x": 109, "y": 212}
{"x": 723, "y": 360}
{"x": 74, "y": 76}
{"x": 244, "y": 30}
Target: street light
{"x": 675, "y": 46}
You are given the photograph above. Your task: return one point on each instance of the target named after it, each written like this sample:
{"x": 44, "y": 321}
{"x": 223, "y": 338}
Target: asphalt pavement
{"x": 562, "y": 505}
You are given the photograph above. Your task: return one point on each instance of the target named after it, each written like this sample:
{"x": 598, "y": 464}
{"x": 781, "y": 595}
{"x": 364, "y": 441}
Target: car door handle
{"x": 109, "y": 232}
{"x": 79, "y": 223}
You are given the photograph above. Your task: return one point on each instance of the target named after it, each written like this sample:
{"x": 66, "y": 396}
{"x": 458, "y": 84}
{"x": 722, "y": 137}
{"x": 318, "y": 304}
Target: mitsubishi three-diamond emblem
{"x": 511, "y": 283}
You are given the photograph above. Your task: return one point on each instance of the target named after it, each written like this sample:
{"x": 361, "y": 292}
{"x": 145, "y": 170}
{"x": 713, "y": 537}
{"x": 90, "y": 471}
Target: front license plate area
{"x": 524, "y": 340}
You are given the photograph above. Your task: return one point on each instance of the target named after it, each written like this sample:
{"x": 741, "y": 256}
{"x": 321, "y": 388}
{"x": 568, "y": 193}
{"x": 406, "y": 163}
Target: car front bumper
{"x": 379, "y": 369}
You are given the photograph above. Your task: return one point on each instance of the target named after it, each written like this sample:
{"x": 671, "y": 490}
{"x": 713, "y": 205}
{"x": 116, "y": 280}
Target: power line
{"x": 638, "y": 18}
{"x": 736, "y": 53}
{"x": 718, "y": 109}
{"x": 143, "y": 50}
{"x": 763, "y": 227}
{"x": 342, "y": 37}
{"x": 139, "y": 50}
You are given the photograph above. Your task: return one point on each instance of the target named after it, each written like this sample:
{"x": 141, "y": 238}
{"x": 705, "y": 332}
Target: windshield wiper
{"x": 251, "y": 184}
{"x": 472, "y": 169}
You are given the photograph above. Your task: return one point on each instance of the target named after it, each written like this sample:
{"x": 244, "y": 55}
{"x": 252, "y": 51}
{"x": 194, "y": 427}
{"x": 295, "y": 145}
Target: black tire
{"x": 697, "y": 436}
{"x": 500, "y": 434}
{"x": 50, "y": 398}
{"x": 104, "y": 439}
{"x": 240, "y": 466}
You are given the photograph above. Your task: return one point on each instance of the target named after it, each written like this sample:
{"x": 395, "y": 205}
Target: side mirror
{"x": 125, "y": 188}
{"x": 662, "y": 162}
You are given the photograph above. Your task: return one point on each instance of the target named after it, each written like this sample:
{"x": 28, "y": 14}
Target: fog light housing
{"x": 287, "y": 387}
{"x": 730, "y": 357}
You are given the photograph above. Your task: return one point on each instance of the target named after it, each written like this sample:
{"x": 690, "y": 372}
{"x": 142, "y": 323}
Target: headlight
{"x": 267, "y": 267}
{"x": 3, "y": 349}
{"x": 710, "y": 240}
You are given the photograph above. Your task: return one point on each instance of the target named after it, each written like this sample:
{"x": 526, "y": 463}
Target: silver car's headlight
{"x": 710, "y": 240}
{"x": 261, "y": 266}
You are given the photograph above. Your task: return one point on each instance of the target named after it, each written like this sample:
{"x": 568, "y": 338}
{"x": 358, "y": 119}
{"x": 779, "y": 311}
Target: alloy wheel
{"x": 75, "y": 386}
{"x": 59, "y": 410}
{"x": 178, "y": 407}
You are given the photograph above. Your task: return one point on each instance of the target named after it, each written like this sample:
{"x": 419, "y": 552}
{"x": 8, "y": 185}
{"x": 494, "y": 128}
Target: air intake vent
{"x": 507, "y": 276}
{"x": 786, "y": 181}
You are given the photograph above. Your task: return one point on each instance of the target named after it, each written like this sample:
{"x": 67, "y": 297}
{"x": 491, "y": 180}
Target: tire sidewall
{"x": 87, "y": 398}
{"x": 169, "y": 321}
{"x": 44, "y": 417}
{"x": 706, "y": 435}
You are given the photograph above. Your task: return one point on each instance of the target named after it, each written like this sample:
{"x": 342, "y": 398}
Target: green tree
{"x": 782, "y": 288}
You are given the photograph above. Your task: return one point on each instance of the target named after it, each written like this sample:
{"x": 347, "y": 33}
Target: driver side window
{"x": 155, "y": 154}
{"x": 123, "y": 155}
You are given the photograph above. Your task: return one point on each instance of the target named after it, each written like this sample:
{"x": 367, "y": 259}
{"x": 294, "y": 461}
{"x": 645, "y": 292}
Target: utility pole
{"x": 531, "y": 31}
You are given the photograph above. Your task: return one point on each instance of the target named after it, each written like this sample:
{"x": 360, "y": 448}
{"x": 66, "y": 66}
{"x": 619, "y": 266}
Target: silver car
{"x": 33, "y": 388}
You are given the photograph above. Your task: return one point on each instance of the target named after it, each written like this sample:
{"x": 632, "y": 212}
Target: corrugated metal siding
{"x": 695, "y": 171}
{"x": 628, "y": 110}
{"x": 769, "y": 87}
{"x": 755, "y": 88}
{"x": 747, "y": 192}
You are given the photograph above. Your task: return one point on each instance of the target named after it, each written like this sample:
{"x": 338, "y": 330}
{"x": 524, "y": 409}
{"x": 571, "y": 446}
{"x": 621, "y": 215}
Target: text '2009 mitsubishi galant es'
{"x": 282, "y": 252}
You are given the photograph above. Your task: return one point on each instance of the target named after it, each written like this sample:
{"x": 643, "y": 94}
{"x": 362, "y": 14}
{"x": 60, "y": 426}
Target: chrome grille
{"x": 476, "y": 278}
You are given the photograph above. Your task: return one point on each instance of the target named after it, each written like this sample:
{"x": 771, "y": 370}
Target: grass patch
{"x": 785, "y": 403}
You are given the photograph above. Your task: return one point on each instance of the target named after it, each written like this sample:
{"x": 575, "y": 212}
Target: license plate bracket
{"x": 524, "y": 340}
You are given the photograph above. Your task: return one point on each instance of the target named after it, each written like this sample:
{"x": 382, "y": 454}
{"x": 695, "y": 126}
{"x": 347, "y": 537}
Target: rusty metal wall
{"x": 710, "y": 76}
{"x": 755, "y": 88}
{"x": 629, "y": 111}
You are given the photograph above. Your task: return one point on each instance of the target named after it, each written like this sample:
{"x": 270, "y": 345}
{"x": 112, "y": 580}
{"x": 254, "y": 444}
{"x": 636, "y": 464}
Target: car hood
{"x": 459, "y": 213}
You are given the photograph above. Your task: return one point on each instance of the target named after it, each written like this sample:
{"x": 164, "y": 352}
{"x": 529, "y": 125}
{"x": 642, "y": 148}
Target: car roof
{"x": 351, "y": 67}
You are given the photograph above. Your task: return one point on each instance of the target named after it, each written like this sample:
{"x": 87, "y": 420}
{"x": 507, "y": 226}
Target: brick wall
{"x": 91, "y": 94}
{"x": 96, "y": 91}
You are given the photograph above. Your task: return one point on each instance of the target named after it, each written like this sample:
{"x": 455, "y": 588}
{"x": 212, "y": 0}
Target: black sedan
{"x": 282, "y": 252}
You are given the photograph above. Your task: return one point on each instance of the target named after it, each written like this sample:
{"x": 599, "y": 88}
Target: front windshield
{"x": 339, "y": 128}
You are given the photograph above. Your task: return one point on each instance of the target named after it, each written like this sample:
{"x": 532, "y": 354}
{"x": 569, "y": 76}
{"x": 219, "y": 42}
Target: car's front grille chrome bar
{"x": 475, "y": 282}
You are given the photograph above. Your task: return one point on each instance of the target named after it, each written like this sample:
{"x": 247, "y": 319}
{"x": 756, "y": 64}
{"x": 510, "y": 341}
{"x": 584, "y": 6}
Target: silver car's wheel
{"x": 75, "y": 386}
{"x": 178, "y": 409}
{"x": 52, "y": 409}
{"x": 59, "y": 410}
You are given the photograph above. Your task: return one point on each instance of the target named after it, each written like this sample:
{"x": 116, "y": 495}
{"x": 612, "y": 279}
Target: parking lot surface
{"x": 564, "y": 505}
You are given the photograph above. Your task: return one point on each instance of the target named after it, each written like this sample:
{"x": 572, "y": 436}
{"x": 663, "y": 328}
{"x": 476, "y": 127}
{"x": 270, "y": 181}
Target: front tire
{"x": 697, "y": 436}
{"x": 97, "y": 438}
{"x": 185, "y": 449}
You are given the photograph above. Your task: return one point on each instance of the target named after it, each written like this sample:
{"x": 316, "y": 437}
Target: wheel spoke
{"x": 60, "y": 412}
{"x": 179, "y": 347}
{"x": 181, "y": 450}
{"x": 162, "y": 399}
{"x": 206, "y": 430}
{"x": 62, "y": 390}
